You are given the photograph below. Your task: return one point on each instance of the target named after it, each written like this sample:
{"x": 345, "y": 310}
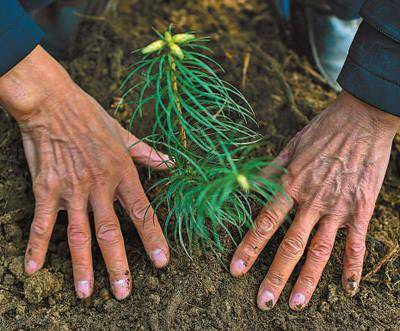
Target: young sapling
{"x": 201, "y": 122}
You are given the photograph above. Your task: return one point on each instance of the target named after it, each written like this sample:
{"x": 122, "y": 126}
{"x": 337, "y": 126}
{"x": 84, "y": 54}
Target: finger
{"x": 40, "y": 233}
{"x": 146, "y": 155}
{"x": 79, "y": 241}
{"x": 289, "y": 253}
{"x": 265, "y": 225}
{"x": 277, "y": 166}
{"x": 111, "y": 242}
{"x": 354, "y": 257}
{"x": 317, "y": 257}
{"x": 135, "y": 202}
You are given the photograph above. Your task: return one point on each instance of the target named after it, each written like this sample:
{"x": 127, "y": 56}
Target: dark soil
{"x": 197, "y": 294}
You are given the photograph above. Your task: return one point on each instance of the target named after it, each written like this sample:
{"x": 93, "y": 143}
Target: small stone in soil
{"x": 324, "y": 307}
{"x": 154, "y": 299}
{"x": 16, "y": 267}
{"x": 152, "y": 283}
{"x": 11, "y": 250}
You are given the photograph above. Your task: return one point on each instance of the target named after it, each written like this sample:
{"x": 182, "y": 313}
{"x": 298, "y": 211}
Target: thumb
{"x": 145, "y": 155}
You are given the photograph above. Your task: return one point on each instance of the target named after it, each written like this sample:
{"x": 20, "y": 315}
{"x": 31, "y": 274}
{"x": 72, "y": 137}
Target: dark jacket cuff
{"x": 384, "y": 16}
{"x": 372, "y": 71}
{"x": 366, "y": 86}
{"x": 19, "y": 35}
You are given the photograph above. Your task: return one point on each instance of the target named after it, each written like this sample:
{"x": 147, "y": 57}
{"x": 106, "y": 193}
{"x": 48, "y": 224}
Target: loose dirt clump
{"x": 260, "y": 57}
{"x": 42, "y": 285}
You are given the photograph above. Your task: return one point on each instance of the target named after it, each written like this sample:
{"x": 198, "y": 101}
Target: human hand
{"x": 335, "y": 169}
{"x": 79, "y": 158}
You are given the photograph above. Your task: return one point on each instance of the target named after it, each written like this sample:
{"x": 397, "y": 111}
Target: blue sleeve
{"x": 19, "y": 34}
{"x": 372, "y": 69}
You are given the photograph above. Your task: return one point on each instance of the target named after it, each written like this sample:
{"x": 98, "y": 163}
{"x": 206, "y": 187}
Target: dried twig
{"x": 302, "y": 119}
{"x": 313, "y": 73}
{"x": 389, "y": 256}
{"x": 273, "y": 65}
{"x": 246, "y": 63}
{"x": 305, "y": 66}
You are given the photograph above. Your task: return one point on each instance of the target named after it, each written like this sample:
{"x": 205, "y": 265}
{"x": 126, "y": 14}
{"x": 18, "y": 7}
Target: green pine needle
{"x": 202, "y": 123}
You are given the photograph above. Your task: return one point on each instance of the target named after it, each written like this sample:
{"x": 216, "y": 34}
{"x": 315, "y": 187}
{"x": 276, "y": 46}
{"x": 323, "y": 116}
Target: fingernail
{"x": 266, "y": 300}
{"x": 352, "y": 285}
{"x": 121, "y": 288}
{"x": 31, "y": 266}
{"x": 297, "y": 301}
{"x": 238, "y": 267}
{"x": 83, "y": 289}
{"x": 159, "y": 258}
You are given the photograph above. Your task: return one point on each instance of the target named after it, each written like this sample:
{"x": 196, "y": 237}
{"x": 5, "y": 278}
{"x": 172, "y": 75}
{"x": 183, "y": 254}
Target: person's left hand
{"x": 335, "y": 169}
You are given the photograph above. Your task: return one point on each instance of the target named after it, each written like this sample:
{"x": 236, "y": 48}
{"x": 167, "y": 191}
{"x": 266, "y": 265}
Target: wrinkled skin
{"x": 335, "y": 169}
{"x": 80, "y": 159}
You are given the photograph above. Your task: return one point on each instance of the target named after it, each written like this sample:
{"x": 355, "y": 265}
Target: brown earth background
{"x": 199, "y": 294}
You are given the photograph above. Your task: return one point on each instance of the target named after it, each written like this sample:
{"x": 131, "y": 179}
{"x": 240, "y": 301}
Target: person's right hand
{"x": 79, "y": 158}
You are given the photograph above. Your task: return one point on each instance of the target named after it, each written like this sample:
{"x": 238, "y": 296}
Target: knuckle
{"x": 40, "y": 229}
{"x": 292, "y": 170}
{"x": 81, "y": 267}
{"x": 356, "y": 250}
{"x": 354, "y": 265}
{"x": 251, "y": 248}
{"x": 78, "y": 236}
{"x": 108, "y": 233}
{"x": 308, "y": 281}
{"x": 102, "y": 173}
{"x": 292, "y": 247}
{"x": 77, "y": 177}
{"x": 247, "y": 251}
{"x": 45, "y": 183}
{"x": 140, "y": 210}
{"x": 275, "y": 279}
{"x": 267, "y": 221}
{"x": 320, "y": 251}
{"x": 292, "y": 187}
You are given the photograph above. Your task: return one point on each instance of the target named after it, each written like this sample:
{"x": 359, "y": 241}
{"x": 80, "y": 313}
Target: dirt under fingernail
{"x": 269, "y": 304}
{"x": 352, "y": 285}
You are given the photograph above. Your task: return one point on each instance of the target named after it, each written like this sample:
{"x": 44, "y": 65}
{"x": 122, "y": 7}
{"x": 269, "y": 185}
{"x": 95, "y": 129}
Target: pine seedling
{"x": 202, "y": 123}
